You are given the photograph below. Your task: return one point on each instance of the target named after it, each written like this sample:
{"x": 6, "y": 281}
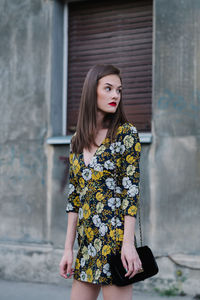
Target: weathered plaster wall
{"x": 32, "y": 208}
{"x": 25, "y": 72}
{"x": 174, "y": 157}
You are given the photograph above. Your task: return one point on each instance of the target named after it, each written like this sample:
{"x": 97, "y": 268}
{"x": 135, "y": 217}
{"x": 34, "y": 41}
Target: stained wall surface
{"x": 32, "y": 206}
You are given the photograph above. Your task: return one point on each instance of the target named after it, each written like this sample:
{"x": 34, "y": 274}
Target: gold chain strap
{"x": 139, "y": 211}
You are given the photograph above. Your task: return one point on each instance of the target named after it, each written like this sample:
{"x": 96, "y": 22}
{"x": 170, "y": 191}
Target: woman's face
{"x": 108, "y": 93}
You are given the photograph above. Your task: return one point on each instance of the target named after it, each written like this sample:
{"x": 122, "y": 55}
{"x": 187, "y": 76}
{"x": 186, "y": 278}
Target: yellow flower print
{"x": 85, "y": 253}
{"x": 77, "y": 201}
{"x": 112, "y": 234}
{"x": 86, "y": 211}
{"x": 99, "y": 196}
{"x": 130, "y": 170}
{"x": 119, "y": 130}
{"x": 71, "y": 158}
{"x": 138, "y": 147}
{"x": 90, "y": 233}
{"x": 119, "y": 234}
{"x": 118, "y": 163}
{"x": 106, "y": 250}
{"x": 98, "y": 263}
{"x": 128, "y": 141}
{"x": 83, "y": 191}
{"x": 82, "y": 182}
{"x": 76, "y": 166}
{"x": 130, "y": 159}
{"x": 100, "y": 150}
{"x": 132, "y": 210}
{"x": 125, "y": 203}
{"x": 89, "y": 275}
{"x": 77, "y": 264}
{"x": 99, "y": 207}
{"x": 106, "y": 140}
{"x": 96, "y": 175}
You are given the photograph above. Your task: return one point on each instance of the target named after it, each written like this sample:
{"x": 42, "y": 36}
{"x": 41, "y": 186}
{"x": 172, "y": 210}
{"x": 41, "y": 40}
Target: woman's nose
{"x": 115, "y": 94}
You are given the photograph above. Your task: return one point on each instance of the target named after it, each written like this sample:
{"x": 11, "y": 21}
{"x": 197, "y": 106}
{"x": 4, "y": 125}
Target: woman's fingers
{"x": 134, "y": 265}
{"x": 125, "y": 265}
{"x": 63, "y": 270}
{"x": 130, "y": 268}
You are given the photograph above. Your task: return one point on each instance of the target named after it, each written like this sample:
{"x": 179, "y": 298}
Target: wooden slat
{"x": 117, "y": 32}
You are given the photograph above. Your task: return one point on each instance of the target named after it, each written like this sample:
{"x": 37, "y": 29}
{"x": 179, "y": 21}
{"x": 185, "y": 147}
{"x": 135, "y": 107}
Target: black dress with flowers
{"x": 91, "y": 194}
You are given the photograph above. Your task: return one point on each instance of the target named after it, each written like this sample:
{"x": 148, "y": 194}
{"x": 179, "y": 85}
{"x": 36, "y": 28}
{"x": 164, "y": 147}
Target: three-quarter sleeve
{"x": 130, "y": 169}
{"x": 73, "y": 196}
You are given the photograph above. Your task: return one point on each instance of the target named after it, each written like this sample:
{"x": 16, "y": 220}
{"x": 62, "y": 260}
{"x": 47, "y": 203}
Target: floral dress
{"x": 91, "y": 193}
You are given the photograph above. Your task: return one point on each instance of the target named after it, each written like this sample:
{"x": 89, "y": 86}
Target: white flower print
{"x": 69, "y": 207}
{"x": 95, "y": 165}
{"x": 93, "y": 161}
{"x": 101, "y": 149}
{"x": 87, "y": 174}
{"x": 133, "y": 190}
{"x": 118, "y": 223}
{"x": 96, "y": 220}
{"x": 128, "y": 141}
{"x": 111, "y": 203}
{"x": 126, "y": 182}
{"x": 97, "y": 274}
{"x": 99, "y": 207}
{"x": 118, "y": 202}
{"x": 109, "y": 165}
{"x": 82, "y": 262}
{"x": 97, "y": 244}
{"x": 130, "y": 170}
{"x": 118, "y": 190}
{"x": 98, "y": 168}
{"x": 122, "y": 149}
{"x": 83, "y": 192}
{"x": 125, "y": 203}
{"x": 91, "y": 250}
{"x": 115, "y": 147}
{"x": 71, "y": 188}
{"x": 83, "y": 276}
{"x": 103, "y": 229}
{"x": 85, "y": 253}
{"x": 110, "y": 183}
{"x": 80, "y": 213}
{"x": 106, "y": 269}
{"x": 133, "y": 129}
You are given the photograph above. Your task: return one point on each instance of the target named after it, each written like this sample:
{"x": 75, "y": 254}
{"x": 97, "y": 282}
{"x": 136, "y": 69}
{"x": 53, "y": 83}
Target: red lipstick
{"x": 112, "y": 103}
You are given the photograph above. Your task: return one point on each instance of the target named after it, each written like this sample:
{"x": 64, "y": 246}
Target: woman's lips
{"x": 112, "y": 103}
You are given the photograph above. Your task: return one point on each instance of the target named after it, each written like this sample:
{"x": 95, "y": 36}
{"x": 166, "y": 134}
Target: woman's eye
{"x": 119, "y": 91}
{"x": 108, "y": 88}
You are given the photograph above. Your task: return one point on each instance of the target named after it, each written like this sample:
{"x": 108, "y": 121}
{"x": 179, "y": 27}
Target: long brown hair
{"x": 86, "y": 125}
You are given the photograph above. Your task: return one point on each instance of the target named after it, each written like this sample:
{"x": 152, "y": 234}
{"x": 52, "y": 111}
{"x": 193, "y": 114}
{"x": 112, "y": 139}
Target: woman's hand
{"x": 65, "y": 265}
{"x": 130, "y": 259}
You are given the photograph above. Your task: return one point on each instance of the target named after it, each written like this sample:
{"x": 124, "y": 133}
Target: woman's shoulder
{"x": 127, "y": 129}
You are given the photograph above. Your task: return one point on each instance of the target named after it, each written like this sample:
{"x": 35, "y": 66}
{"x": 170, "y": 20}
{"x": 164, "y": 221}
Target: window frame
{"x": 62, "y": 138}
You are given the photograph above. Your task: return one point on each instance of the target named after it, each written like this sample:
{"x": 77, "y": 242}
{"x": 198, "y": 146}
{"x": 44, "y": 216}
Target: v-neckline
{"x": 82, "y": 155}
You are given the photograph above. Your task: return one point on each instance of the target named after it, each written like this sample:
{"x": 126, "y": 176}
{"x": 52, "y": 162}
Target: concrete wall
{"x": 25, "y": 66}
{"x": 32, "y": 207}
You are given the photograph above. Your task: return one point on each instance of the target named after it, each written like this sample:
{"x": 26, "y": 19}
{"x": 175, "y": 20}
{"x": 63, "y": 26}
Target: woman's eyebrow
{"x": 112, "y": 85}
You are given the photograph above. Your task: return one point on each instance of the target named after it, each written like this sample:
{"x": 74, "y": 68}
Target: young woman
{"x": 104, "y": 140}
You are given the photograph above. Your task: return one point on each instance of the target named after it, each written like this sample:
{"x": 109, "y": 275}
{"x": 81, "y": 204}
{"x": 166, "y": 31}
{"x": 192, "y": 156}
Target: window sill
{"x": 145, "y": 138}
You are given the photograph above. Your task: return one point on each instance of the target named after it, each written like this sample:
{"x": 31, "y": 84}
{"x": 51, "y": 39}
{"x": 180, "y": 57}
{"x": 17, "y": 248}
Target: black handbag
{"x": 149, "y": 265}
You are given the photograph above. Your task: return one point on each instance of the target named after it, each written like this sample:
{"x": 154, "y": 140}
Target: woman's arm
{"x": 129, "y": 255}
{"x": 67, "y": 259}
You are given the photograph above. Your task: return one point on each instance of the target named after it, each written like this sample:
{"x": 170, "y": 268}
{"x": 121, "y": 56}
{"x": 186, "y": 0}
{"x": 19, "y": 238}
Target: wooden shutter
{"x": 116, "y": 32}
